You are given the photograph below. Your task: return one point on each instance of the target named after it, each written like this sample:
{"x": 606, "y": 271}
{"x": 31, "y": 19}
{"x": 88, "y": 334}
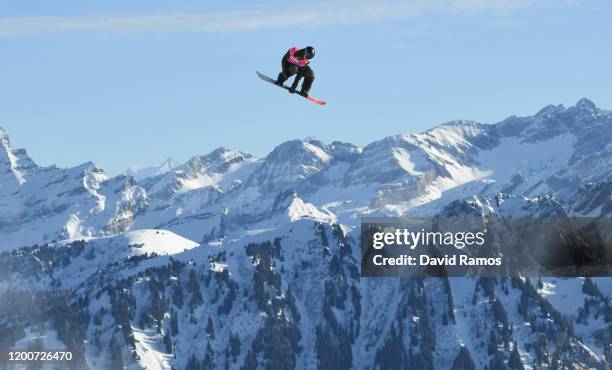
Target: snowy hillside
{"x": 139, "y": 173}
{"x": 232, "y": 261}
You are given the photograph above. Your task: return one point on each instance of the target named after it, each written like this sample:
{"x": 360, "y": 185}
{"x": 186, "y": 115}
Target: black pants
{"x": 290, "y": 69}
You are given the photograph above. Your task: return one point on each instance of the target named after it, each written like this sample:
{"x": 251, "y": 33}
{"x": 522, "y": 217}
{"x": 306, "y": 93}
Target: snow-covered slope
{"x": 230, "y": 261}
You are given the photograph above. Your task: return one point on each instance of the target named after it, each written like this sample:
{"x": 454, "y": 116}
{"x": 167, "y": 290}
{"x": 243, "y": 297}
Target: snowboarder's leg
{"x": 309, "y": 77}
{"x": 281, "y": 79}
{"x": 288, "y": 71}
{"x": 295, "y": 83}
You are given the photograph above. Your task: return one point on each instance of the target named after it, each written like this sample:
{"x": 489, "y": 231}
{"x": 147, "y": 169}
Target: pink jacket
{"x": 293, "y": 60}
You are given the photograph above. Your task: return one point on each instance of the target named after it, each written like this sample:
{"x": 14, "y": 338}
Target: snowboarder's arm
{"x": 293, "y": 60}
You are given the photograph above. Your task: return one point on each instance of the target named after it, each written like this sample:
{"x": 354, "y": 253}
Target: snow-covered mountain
{"x": 41, "y": 204}
{"x": 232, "y": 261}
{"x": 139, "y": 173}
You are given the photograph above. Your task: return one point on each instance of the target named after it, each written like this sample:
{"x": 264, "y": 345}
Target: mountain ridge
{"x": 556, "y": 151}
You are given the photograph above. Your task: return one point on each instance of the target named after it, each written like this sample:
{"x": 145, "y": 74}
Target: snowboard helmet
{"x": 310, "y": 52}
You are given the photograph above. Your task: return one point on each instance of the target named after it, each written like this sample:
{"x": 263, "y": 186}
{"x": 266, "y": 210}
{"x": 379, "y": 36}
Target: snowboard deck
{"x": 272, "y": 81}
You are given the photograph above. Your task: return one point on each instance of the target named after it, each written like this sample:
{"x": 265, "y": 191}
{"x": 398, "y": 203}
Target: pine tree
{"x": 174, "y": 327}
{"x": 588, "y": 287}
{"x": 209, "y": 358}
{"x": 250, "y": 361}
{"x": 391, "y": 352}
{"x": 115, "y": 354}
{"x": 515, "y": 359}
{"x": 194, "y": 289}
{"x": 177, "y": 295}
{"x": 555, "y": 362}
{"x": 463, "y": 361}
{"x": 168, "y": 342}
{"x": 497, "y": 362}
{"x": 210, "y": 329}
{"x": 234, "y": 346}
{"x": 193, "y": 363}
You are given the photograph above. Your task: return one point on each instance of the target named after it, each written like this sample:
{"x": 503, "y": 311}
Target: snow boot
{"x": 306, "y": 86}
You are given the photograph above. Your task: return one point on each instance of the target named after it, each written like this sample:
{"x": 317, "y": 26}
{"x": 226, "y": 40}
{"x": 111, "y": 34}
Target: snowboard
{"x": 272, "y": 81}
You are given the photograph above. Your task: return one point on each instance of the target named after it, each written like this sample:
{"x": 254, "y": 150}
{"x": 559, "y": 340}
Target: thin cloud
{"x": 320, "y": 15}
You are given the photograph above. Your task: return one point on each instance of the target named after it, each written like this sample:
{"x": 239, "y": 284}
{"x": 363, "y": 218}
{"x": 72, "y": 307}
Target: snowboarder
{"x": 295, "y": 62}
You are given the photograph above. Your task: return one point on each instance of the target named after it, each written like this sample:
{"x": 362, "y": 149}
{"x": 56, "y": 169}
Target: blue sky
{"x": 124, "y": 84}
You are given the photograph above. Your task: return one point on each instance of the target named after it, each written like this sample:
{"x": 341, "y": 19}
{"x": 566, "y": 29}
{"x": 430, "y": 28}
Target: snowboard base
{"x": 273, "y": 81}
